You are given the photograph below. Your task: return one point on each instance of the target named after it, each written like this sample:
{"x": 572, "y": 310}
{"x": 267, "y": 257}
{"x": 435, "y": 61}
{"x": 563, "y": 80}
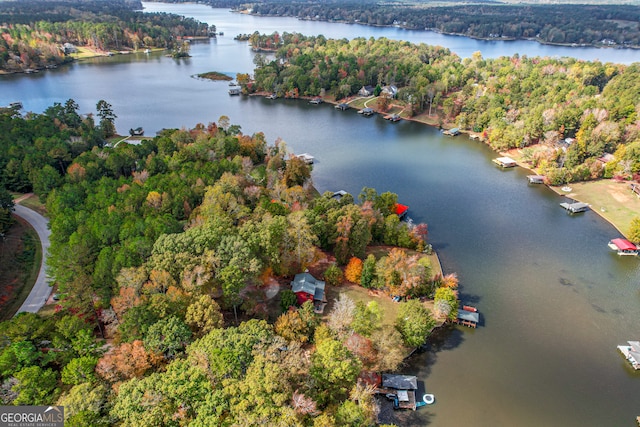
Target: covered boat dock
{"x": 468, "y": 316}
{"x": 575, "y": 207}
{"x": 535, "y": 179}
{"x": 505, "y": 162}
{"x": 401, "y": 210}
{"x": 631, "y": 352}
{"x": 401, "y": 389}
{"x": 307, "y": 158}
{"x": 623, "y": 247}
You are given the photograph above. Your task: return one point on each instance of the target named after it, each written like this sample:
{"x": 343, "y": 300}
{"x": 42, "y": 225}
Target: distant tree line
{"x": 590, "y": 24}
{"x": 33, "y": 34}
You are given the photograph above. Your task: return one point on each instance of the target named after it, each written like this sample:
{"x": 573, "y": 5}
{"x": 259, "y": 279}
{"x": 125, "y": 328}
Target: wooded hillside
{"x": 36, "y": 34}
{"x": 577, "y": 110}
{"x": 162, "y": 253}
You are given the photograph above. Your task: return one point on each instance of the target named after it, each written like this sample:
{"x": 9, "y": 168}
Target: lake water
{"x": 554, "y": 300}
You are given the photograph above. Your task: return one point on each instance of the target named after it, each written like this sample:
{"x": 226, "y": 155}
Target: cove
{"x": 554, "y": 300}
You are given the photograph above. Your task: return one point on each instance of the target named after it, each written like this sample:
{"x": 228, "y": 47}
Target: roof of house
{"x": 305, "y": 282}
{"x": 400, "y": 382}
{"x": 624, "y": 245}
{"x": 391, "y": 89}
{"x": 606, "y": 157}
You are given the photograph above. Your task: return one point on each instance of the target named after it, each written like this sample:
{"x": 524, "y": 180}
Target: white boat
{"x": 428, "y": 399}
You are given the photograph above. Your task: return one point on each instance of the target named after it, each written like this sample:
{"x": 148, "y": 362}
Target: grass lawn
{"x": 358, "y": 293}
{"x": 614, "y": 201}
{"x": 84, "y": 52}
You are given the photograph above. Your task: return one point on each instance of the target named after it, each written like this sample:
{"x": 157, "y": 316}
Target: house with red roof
{"x": 308, "y": 288}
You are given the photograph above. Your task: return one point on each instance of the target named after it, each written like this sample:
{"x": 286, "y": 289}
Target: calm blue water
{"x": 554, "y": 301}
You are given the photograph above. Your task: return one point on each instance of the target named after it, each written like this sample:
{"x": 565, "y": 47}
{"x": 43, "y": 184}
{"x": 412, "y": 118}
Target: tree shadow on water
{"x": 447, "y": 337}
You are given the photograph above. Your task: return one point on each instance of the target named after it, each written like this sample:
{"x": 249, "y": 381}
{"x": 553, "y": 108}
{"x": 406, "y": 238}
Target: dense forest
{"x": 566, "y": 114}
{"x": 38, "y": 34}
{"x": 161, "y": 252}
{"x": 581, "y": 24}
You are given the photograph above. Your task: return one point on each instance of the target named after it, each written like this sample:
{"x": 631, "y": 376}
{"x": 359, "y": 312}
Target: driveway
{"x": 41, "y": 290}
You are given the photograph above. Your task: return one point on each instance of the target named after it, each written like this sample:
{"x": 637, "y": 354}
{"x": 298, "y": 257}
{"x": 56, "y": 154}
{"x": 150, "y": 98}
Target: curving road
{"x": 41, "y": 289}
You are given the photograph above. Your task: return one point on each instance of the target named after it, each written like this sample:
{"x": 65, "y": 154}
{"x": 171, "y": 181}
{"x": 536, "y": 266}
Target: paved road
{"x": 41, "y": 290}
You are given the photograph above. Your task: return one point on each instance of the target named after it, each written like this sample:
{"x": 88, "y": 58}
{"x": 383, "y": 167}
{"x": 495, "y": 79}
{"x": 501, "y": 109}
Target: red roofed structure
{"x": 623, "y": 246}
{"x": 401, "y": 210}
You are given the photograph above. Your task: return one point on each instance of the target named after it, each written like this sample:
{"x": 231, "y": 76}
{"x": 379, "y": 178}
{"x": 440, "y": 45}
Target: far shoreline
{"x": 436, "y": 31}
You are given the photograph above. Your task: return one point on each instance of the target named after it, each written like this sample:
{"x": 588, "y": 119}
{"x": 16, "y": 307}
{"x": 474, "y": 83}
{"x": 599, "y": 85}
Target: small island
{"x": 216, "y": 76}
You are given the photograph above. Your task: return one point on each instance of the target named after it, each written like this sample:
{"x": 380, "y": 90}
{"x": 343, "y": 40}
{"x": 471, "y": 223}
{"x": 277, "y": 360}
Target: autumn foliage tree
{"x": 353, "y": 270}
{"x": 128, "y": 360}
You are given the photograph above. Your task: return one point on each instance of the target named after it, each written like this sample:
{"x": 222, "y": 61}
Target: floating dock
{"x": 505, "y": 162}
{"x": 631, "y": 352}
{"x": 575, "y": 207}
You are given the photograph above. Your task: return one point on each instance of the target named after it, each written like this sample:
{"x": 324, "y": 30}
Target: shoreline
{"x": 513, "y": 153}
{"x": 434, "y": 30}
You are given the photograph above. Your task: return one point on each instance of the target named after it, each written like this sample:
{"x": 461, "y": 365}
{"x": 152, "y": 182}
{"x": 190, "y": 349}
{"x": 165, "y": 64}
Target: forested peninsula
{"x": 563, "y": 24}
{"x": 572, "y": 120}
{"x": 44, "y": 34}
{"x": 172, "y": 261}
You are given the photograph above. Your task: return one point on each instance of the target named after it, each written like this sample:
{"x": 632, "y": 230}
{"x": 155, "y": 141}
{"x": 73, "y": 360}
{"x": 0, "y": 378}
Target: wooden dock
{"x": 406, "y": 399}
